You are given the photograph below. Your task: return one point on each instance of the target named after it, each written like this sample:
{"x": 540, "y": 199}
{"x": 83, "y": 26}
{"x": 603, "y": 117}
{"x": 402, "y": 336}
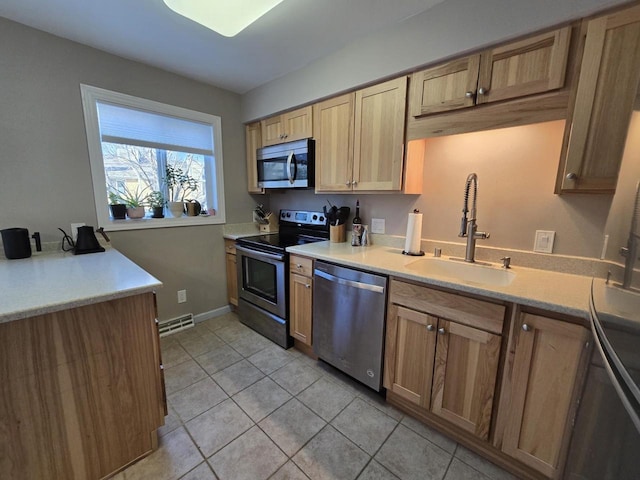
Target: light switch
{"x": 377, "y": 225}
{"x": 544, "y": 241}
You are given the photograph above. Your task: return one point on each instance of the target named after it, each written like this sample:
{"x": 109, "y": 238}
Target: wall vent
{"x": 175, "y": 325}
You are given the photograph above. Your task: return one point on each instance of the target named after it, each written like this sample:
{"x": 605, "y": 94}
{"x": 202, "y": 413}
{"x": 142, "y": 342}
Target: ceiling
{"x": 292, "y": 35}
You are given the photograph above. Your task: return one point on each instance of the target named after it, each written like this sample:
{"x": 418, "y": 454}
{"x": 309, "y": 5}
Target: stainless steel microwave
{"x": 287, "y": 165}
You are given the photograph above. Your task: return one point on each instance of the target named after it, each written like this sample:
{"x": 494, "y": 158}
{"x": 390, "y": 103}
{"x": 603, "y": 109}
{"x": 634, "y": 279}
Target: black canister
{"x": 16, "y": 243}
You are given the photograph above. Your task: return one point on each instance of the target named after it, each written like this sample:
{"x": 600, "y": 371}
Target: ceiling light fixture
{"x": 227, "y": 17}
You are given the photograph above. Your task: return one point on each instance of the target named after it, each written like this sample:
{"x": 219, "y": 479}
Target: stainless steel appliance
{"x": 607, "y": 430}
{"x": 287, "y": 165}
{"x": 262, "y": 269}
{"x": 348, "y": 320}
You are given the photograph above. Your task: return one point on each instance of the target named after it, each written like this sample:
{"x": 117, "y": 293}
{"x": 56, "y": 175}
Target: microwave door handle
{"x": 289, "y": 159}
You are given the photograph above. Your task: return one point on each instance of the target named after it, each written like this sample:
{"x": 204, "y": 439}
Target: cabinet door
{"x": 379, "y": 136}
{"x": 333, "y": 133}
{"x": 301, "y": 307}
{"x": 409, "y": 354}
{"x": 548, "y": 356}
{"x": 607, "y": 86}
{"x": 464, "y": 377}
{"x": 533, "y": 65}
{"x": 272, "y": 131}
{"x": 297, "y": 124}
{"x": 253, "y": 134}
{"x": 232, "y": 280}
{"x": 446, "y": 87}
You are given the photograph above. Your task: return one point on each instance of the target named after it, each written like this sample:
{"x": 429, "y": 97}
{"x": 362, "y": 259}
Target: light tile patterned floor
{"x": 241, "y": 407}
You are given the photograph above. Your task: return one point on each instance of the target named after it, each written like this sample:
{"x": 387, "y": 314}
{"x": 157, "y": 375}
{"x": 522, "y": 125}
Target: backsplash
{"x": 516, "y": 170}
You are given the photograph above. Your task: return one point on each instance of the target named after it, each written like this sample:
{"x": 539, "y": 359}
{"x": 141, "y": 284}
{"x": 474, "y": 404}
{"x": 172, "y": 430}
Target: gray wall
{"x": 445, "y": 30}
{"x": 45, "y": 179}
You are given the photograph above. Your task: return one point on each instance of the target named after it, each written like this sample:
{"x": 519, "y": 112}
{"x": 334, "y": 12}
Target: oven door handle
{"x": 258, "y": 254}
{"x": 289, "y": 176}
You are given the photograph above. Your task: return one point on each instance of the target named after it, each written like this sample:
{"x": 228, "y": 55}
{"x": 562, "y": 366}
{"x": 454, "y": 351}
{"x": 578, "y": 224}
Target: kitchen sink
{"x": 467, "y": 272}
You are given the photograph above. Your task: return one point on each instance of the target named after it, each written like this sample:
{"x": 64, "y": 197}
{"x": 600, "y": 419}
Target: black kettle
{"x": 86, "y": 241}
{"x": 16, "y": 243}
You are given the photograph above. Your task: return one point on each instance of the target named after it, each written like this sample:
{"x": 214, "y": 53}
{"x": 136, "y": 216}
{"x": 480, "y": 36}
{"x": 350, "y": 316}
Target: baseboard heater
{"x": 175, "y": 325}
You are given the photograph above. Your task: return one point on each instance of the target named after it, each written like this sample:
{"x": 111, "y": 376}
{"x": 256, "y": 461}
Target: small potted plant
{"x": 117, "y": 206}
{"x": 156, "y": 202}
{"x": 135, "y": 202}
{"x": 179, "y": 184}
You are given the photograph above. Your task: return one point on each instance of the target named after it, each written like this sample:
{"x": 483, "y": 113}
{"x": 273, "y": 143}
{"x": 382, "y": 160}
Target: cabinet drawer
{"x": 301, "y": 265}
{"x": 451, "y": 306}
{"x": 230, "y": 246}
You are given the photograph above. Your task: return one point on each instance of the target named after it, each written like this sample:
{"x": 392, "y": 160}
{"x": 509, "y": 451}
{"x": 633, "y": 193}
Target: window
{"x": 139, "y": 147}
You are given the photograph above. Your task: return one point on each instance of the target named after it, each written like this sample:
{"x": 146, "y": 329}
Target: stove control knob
{"x": 315, "y": 217}
{"x": 322, "y": 219}
{"x": 282, "y": 214}
{"x": 288, "y": 215}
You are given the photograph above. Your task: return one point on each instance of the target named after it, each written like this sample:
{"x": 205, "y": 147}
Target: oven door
{"x": 262, "y": 279}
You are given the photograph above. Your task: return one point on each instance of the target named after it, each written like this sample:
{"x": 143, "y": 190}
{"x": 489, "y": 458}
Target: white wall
{"x": 516, "y": 170}
{"x": 445, "y": 30}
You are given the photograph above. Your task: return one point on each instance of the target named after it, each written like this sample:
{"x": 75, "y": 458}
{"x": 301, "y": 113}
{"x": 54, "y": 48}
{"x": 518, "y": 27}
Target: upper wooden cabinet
{"x": 550, "y": 357}
{"x": 533, "y": 65}
{"x": 287, "y": 127}
{"x": 446, "y": 365}
{"x": 599, "y": 115}
{"x": 253, "y": 139}
{"x": 333, "y": 132}
{"x": 360, "y": 139}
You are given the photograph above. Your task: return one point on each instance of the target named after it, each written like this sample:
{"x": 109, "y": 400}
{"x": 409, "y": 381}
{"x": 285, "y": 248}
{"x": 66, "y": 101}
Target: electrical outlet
{"x": 377, "y": 225}
{"x": 182, "y": 296}
{"x": 544, "y": 241}
{"x": 74, "y": 230}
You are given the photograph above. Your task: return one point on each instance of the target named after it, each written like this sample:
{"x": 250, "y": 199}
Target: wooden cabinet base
{"x": 464, "y": 438}
{"x": 82, "y": 390}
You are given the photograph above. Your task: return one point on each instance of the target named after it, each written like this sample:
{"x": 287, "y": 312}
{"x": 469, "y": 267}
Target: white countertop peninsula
{"x": 58, "y": 281}
{"x": 557, "y": 292}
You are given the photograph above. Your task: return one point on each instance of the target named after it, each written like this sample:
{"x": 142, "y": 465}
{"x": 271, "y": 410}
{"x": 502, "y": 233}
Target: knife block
{"x": 270, "y": 227}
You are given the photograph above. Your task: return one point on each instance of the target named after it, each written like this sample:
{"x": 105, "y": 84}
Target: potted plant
{"x": 135, "y": 202}
{"x": 179, "y": 184}
{"x": 156, "y": 202}
{"x": 117, "y": 206}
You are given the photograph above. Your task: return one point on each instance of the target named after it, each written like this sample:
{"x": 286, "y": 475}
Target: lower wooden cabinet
{"x": 82, "y": 390}
{"x": 550, "y": 358}
{"x": 301, "y": 299}
{"x": 232, "y": 275}
{"x": 448, "y": 367}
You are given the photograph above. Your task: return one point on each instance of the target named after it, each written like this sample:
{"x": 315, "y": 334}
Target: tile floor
{"x": 241, "y": 407}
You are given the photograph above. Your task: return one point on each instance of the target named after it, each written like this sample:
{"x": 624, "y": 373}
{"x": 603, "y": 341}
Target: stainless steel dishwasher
{"x": 348, "y": 321}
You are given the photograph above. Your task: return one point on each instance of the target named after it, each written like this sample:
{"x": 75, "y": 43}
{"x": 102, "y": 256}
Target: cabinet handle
{"x": 442, "y": 331}
{"x": 482, "y": 91}
{"x": 354, "y": 183}
{"x": 348, "y": 184}
{"x": 571, "y": 176}
{"x": 307, "y": 285}
{"x": 526, "y": 327}
{"x": 298, "y": 265}
{"x": 469, "y": 94}
{"x": 285, "y": 135}
{"x": 430, "y": 328}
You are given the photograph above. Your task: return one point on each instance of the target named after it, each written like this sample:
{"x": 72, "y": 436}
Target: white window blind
{"x": 146, "y": 129}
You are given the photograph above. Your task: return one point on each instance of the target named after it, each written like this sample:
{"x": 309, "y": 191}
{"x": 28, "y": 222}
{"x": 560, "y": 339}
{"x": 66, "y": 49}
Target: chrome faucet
{"x": 468, "y": 227}
{"x": 630, "y": 252}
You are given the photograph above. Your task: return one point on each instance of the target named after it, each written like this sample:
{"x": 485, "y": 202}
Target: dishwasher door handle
{"x": 349, "y": 283}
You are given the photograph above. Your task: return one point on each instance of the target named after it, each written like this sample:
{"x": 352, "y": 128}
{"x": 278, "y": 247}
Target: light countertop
{"x": 552, "y": 291}
{"x": 58, "y": 281}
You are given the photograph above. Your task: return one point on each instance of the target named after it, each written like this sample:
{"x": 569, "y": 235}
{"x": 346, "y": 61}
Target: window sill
{"x": 167, "y": 222}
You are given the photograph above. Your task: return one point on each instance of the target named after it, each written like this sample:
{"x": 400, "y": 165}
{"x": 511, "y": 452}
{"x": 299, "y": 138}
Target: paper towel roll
{"x": 414, "y": 232}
